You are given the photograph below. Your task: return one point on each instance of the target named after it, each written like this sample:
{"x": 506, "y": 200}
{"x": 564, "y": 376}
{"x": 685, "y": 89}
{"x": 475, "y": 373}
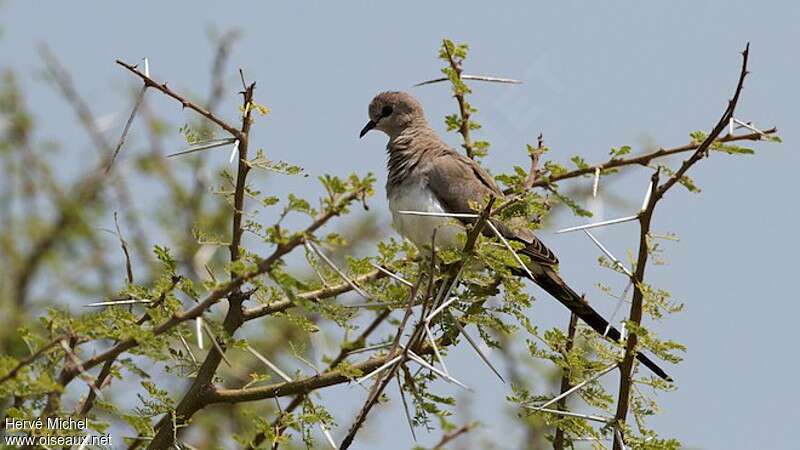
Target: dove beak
{"x": 370, "y": 125}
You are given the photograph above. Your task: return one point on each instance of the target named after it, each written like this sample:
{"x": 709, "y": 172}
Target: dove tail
{"x": 548, "y": 280}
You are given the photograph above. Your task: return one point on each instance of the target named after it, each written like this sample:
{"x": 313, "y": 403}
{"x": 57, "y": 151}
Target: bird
{"x": 425, "y": 174}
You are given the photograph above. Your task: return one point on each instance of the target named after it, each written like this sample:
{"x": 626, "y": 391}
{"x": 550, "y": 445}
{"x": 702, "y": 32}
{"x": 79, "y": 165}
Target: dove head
{"x": 393, "y": 112}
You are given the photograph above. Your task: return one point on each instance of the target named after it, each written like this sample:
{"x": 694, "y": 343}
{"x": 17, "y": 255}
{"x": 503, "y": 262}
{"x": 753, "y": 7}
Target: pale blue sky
{"x": 595, "y": 76}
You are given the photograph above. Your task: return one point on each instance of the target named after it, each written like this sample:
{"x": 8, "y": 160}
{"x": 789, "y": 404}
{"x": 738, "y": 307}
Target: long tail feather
{"x": 548, "y": 280}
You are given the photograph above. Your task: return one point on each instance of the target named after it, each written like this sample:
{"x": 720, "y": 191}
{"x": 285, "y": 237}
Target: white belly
{"x": 420, "y": 229}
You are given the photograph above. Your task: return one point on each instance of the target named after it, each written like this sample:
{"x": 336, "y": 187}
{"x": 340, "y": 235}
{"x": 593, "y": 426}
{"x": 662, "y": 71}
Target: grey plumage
{"x": 425, "y": 174}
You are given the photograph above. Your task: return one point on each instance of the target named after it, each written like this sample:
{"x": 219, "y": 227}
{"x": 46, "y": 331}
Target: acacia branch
{"x": 643, "y": 160}
{"x": 656, "y": 193}
{"x": 186, "y": 103}
{"x": 453, "y": 434}
{"x": 33, "y": 357}
{"x": 192, "y": 401}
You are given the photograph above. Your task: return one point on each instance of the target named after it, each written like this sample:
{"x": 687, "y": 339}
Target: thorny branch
{"x": 644, "y": 159}
{"x": 234, "y": 318}
{"x": 448, "y": 437}
{"x": 645, "y": 217}
{"x": 186, "y": 103}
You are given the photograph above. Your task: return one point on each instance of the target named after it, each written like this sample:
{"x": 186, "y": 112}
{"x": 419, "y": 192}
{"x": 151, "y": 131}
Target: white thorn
{"x": 186, "y": 346}
{"x": 578, "y": 386}
{"x": 198, "y": 330}
{"x": 622, "y": 331}
{"x": 478, "y": 350}
{"x": 132, "y": 301}
{"x": 608, "y": 253}
{"x": 146, "y": 68}
{"x": 205, "y": 145}
{"x": 328, "y": 436}
{"x": 435, "y": 348}
{"x": 619, "y": 305}
{"x": 428, "y": 366}
{"x": 439, "y": 214}
{"x": 572, "y": 414}
{"x": 392, "y": 275}
{"x": 596, "y": 181}
{"x": 511, "y": 249}
{"x": 216, "y": 344}
{"x": 598, "y": 224}
{"x": 647, "y": 194}
{"x": 269, "y": 363}
{"x": 619, "y": 436}
{"x": 441, "y": 308}
{"x": 379, "y": 369}
{"x": 445, "y": 293}
{"x": 748, "y": 126}
{"x": 314, "y": 249}
{"x": 234, "y": 150}
{"x": 370, "y": 348}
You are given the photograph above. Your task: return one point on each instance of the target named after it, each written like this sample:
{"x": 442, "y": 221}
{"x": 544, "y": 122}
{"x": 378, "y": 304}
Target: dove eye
{"x": 386, "y": 111}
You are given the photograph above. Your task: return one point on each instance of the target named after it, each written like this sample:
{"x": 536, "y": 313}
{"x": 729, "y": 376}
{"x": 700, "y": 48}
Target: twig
{"x": 192, "y": 401}
{"x": 124, "y": 245}
{"x": 77, "y": 362}
{"x": 452, "y": 435}
{"x": 313, "y": 296}
{"x": 534, "y": 155}
{"x": 30, "y": 359}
